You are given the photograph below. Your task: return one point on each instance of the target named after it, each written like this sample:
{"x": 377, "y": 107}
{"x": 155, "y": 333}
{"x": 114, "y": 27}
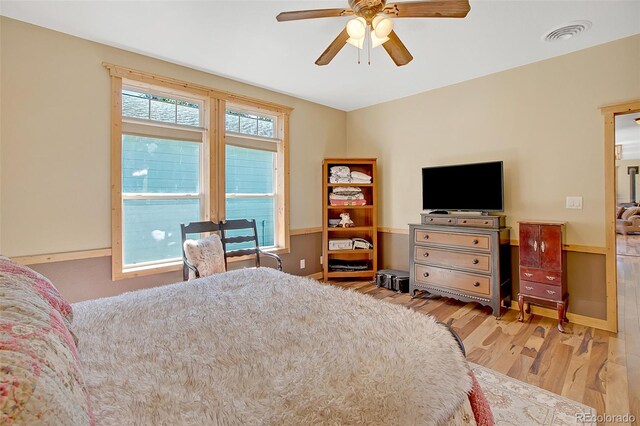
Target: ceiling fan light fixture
{"x": 377, "y": 41}
{"x": 382, "y": 25}
{"x": 356, "y": 28}
{"x": 359, "y": 43}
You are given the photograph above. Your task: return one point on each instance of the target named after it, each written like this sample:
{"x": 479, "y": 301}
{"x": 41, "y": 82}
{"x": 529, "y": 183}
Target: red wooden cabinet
{"x": 543, "y": 268}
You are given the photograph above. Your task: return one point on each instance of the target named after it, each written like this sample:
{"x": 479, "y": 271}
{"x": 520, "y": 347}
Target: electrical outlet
{"x": 302, "y": 264}
{"x": 574, "y": 202}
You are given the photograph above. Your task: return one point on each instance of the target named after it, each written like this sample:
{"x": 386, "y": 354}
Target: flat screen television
{"x": 465, "y": 187}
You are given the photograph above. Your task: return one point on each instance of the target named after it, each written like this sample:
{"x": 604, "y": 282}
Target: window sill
{"x": 142, "y": 271}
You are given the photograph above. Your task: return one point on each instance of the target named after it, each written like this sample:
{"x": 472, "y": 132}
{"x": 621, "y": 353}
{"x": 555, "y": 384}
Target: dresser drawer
{"x": 483, "y": 223}
{"x": 541, "y": 276}
{"x": 476, "y": 241}
{"x": 446, "y": 278}
{"x": 543, "y": 291}
{"x": 426, "y": 220}
{"x": 428, "y": 255}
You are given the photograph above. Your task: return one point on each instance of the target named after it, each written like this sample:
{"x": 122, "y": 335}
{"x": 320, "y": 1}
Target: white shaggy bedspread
{"x": 263, "y": 347}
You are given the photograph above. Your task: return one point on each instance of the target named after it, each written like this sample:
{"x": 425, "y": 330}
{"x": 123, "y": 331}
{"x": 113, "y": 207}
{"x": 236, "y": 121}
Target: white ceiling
{"x": 627, "y": 130}
{"x": 242, "y": 40}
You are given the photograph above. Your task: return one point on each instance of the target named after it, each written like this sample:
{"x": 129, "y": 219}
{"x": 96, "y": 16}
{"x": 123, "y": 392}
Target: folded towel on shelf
{"x": 347, "y": 202}
{"x": 335, "y": 179}
{"x": 360, "y": 181}
{"x": 340, "y": 171}
{"x": 348, "y": 265}
{"x": 358, "y": 196}
{"x": 346, "y": 190}
{"x": 360, "y": 176}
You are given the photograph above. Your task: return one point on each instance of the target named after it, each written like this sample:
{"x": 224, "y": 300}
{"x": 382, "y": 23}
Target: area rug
{"x": 517, "y": 403}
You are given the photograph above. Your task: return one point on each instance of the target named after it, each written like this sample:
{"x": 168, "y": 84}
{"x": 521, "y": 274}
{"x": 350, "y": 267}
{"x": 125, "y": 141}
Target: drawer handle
{"x": 431, "y": 220}
{"x": 486, "y": 222}
{"x": 426, "y": 254}
{"x": 475, "y": 241}
{"x": 476, "y": 284}
{"x": 426, "y": 274}
{"x": 464, "y": 221}
{"x": 551, "y": 292}
{"x": 551, "y": 278}
{"x": 426, "y": 236}
{"x": 449, "y": 221}
{"x": 528, "y": 288}
{"x": 528, "y": 274}
{"x": 475, "y": 261}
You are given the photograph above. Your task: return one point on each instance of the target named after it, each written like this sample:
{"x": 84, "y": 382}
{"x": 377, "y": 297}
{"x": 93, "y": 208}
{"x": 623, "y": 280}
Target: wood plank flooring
{"x": 628, "y": 245}
{"x": 587, "y": 365}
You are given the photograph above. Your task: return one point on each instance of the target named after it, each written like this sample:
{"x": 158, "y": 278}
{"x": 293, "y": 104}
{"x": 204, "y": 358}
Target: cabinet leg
{"x": 521, "y": 306}
{"x": 566, "y": 308}
{"x": 561, "y": 316}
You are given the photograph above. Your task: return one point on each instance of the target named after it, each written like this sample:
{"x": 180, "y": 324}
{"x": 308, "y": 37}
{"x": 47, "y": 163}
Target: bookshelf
{"x": 364, "y": 218}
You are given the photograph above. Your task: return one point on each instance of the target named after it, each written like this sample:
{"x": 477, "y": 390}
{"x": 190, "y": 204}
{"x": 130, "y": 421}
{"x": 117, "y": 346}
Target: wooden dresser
{"x": 543, "y": 268}
{"x": 465, "y": 257}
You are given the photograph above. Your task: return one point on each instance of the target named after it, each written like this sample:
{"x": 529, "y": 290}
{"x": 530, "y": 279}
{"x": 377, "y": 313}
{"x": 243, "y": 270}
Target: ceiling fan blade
{"x": 312, "y": 14}
{"x": 397, "y": 50}
{"x": 333, "y": 49}
{"x": 429, "y": 9}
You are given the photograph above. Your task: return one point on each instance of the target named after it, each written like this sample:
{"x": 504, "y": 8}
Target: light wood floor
{"x": 591, "y": 366}
{"x": 628, "y": 245}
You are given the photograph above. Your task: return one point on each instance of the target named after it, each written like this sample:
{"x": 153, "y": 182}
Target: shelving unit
{"x": 363, "y": 217}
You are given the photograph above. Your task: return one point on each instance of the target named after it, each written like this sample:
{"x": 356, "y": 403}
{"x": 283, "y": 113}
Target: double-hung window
{"x": 183, "y": 153}
{"x": 251, "y": 171}
{"x": 163, "y": 174}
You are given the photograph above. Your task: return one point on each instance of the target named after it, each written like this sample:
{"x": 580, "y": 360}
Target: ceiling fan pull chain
{"x": 369, "y": 47}
{"x": 358, "y": 56}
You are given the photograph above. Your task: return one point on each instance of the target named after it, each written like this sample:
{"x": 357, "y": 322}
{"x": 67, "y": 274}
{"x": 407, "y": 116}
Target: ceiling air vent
{"x": 566, "y": 31}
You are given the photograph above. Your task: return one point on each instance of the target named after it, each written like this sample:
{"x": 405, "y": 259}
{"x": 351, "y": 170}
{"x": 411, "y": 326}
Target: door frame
{"x": 610, "y": 112}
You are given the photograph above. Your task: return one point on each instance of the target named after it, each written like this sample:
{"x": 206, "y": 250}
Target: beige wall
{"x": 541, "y": 119}
{"x": 55, "y": 152}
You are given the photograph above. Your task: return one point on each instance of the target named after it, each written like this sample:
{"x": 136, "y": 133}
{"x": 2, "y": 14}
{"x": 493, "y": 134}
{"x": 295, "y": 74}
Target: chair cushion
{"x": 207, "y": 255}
{"x": 619, "y": 212}
{"x": 41, "y": 380}
{"x": 631, "y": 211}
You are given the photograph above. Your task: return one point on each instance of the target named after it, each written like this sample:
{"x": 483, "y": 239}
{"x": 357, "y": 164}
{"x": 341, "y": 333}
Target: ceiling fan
{"x": 373, "y": 25}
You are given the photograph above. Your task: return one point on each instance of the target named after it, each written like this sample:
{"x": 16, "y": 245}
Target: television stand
{"x": 465, "y": 257}
{"x": 466, "y": 219}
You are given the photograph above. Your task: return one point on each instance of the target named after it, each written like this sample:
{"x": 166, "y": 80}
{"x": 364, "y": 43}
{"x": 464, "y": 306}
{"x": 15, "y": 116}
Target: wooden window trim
{"x": 213, "y": 149}
{"x": 281, "y": 195}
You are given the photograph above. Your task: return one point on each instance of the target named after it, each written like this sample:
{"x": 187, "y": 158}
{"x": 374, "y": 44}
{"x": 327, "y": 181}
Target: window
{"x": 182, "y": 153}
{"x": 251, "y": 172}
{"x": 162, "y": 174}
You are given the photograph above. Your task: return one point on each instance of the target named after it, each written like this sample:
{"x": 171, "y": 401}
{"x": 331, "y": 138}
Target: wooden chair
{"x": 250, "y": 235}
{"x": 195, "y": 228}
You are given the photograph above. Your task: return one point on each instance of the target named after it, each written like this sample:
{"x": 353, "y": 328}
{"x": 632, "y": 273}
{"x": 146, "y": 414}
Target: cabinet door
{"x": 550, "y": 247}
{"x": 529, "y": 245}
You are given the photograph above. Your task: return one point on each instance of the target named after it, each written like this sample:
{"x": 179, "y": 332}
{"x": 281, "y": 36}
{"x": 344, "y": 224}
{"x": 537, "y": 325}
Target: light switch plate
{"x": 574, "y": 202}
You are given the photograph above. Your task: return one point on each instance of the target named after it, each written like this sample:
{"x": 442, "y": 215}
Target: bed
{"x": 252, "y": 346}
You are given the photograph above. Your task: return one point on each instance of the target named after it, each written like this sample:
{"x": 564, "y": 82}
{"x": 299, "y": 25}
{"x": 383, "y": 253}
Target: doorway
{"x": 627, "y": 168}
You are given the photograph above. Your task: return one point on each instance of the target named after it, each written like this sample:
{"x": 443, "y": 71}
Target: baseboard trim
{"x": 317, "y": 276}
{"x": 305, "y": 231}
{"x": 61, "y": 257}
{"x": 573, "y": 318}
{"x": 573, "y": 247}
{"x": 567, "y": 247}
